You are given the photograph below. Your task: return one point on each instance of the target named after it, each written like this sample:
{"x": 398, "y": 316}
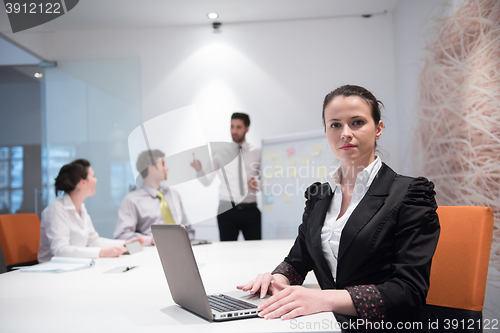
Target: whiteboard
{"x": 289, "y": 165}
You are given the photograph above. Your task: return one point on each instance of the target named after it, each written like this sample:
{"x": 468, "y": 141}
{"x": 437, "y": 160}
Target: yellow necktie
{"x": 165, "y": 210}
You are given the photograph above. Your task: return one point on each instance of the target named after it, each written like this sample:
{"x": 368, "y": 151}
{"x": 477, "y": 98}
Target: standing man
{"x": 150, "y": 204}
{"x": 245, "y": 216}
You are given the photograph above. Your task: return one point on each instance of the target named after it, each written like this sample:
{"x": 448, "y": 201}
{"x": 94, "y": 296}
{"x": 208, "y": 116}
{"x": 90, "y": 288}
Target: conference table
{"x": 139, "y": 300}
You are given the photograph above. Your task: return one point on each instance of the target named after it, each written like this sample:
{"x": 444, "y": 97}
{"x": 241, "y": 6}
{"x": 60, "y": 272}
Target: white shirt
{"x": 140, "y": 209}
{"x": 64, "y": 233}
{"x": 251, "y": 162}
{"x": 332, "y": 228}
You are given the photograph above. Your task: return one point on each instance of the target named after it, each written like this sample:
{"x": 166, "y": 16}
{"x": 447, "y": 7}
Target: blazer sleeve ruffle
{"x": 415, "y": 241}
{"x": 299, "y": 262}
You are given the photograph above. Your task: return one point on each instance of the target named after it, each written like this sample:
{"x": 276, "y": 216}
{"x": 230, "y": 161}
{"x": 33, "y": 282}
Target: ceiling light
{"x": 212, "y": 16}
{"x": 38, "y": 75}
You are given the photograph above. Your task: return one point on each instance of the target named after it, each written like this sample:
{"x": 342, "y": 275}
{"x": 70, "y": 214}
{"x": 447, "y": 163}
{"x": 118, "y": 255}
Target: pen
{"x": 128, "y": 268}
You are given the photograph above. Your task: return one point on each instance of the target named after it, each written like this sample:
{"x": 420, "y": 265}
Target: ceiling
{"x": 126, "y": 14}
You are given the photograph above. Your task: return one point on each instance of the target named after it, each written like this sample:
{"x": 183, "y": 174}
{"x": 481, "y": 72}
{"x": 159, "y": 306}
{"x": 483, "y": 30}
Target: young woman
{"x": 66, "y": 228}
{"x": 369, "y": 234}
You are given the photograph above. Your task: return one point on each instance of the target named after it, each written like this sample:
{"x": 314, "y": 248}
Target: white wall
{"x": 91, "y": 107}
{"x": 413, "y": 22}
{"x": 279, "y": 73}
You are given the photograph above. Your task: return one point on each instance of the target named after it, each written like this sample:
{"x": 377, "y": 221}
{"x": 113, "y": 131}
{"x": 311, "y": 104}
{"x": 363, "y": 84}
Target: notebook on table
{"x": 184, "y": 280}
{"x": 59, "y": 265}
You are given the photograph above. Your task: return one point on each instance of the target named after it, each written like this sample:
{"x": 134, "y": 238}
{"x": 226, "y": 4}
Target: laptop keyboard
{"x": 224, "y": 303}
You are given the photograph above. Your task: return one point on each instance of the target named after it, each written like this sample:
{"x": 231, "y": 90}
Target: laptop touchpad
{"x": 246, "y": 296}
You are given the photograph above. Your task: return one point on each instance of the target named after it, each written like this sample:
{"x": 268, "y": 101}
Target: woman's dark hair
{"x": 364, "y": 94}
{"x": 70, "y": 175}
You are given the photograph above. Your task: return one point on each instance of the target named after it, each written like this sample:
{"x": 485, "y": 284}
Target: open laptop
{"x": 184, "y": 280}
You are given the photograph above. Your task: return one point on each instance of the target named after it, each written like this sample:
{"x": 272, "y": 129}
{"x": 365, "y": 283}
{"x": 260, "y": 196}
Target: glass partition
{"x": 90, "y": 109}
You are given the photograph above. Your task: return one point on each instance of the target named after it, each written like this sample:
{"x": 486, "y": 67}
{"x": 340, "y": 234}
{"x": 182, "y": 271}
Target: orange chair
{"x": 459, "y": 269}
{"x": 19, "y": 239}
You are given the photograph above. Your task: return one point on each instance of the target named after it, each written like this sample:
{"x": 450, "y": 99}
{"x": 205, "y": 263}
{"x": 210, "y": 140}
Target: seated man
{"x": 150, "y": 204}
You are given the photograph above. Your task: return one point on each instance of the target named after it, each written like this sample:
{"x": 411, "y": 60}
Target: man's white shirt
{"x": 251, "y": 161}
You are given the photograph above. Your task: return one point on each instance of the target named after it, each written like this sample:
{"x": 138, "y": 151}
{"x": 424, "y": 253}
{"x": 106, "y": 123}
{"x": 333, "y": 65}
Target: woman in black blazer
{"x": 369, "y": 239}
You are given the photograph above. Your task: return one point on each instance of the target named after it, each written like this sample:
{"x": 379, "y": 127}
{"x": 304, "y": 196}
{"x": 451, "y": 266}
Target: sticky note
{"x": 268, "y": 208}
{"x": 290, "y": 160}
{"x": 316, "y": 149}
{"x": 290, "y": 151}
{"x": 291, "y": 172}
{"x": 268, "y": 199}
{"x": 278, "y": 172}
{"x": 286, "y": 198}
{"x": 267, "y": 156}
{"x": 306, "y": 160}
{"x": 321, "y": 172}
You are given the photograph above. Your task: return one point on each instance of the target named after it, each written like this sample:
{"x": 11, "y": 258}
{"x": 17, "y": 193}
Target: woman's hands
{"x": 294, "y": 301}
{"x": 289, "y": 302}
{"x": 263, "y": 283}
{"x": 112, "y": 251}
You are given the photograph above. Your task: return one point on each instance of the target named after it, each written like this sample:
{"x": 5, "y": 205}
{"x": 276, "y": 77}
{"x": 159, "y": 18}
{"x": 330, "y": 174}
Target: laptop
{"x": 184, "y": 280}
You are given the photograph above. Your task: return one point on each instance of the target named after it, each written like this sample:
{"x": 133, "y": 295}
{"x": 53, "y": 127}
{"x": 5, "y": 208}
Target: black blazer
{"x": 387, "y": 243}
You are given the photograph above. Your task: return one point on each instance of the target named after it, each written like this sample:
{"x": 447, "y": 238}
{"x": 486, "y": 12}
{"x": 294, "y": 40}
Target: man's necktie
{"x": 165, "y": 210}
{"x": 240, "y": 172}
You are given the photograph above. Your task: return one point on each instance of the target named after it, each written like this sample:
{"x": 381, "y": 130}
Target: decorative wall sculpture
{"x": 457, "y": 140}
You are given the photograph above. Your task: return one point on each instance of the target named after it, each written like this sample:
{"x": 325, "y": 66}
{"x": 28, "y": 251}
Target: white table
{"x": 139, "y": 300}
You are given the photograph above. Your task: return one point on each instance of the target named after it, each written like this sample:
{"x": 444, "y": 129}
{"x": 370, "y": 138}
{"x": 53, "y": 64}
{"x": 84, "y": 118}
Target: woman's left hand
{"x": 294, "y": 301}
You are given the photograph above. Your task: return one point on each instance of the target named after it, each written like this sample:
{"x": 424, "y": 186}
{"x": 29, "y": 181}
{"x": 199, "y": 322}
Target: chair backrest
{"x": 460, "y": 264}
{"x": 19, "y": 238}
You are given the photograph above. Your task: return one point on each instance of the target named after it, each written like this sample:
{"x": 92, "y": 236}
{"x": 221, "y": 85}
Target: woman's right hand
{"x": 264, "y": 284}
{"x": 112, "y": 251}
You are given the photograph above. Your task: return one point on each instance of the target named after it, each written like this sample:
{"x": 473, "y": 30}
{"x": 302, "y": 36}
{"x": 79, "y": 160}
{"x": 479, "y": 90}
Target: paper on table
{"x": 59, "y": 265}
{"x": 133, "y": 247}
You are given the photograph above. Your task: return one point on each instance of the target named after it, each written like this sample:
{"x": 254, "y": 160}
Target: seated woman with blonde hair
{"x": 66, "y": 229}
